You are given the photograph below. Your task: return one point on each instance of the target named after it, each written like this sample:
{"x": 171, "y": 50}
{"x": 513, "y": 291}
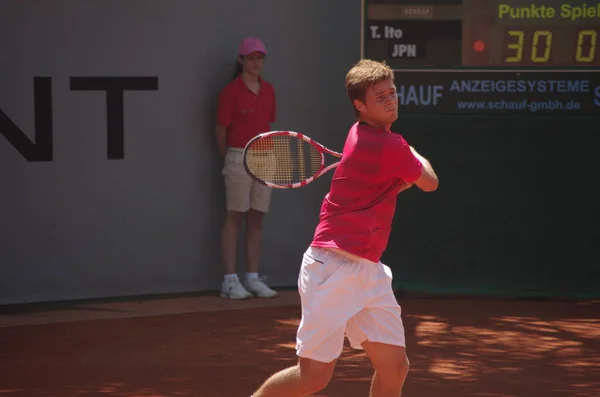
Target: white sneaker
{"x": 259, "y": 288}
{"x": 233, "y": 289}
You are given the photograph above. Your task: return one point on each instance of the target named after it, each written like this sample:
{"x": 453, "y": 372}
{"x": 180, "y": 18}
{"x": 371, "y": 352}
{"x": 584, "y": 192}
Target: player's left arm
{"x": 401, "y": 162}
{"x": 404, "y": 187}
{"x": 428, "y": 181}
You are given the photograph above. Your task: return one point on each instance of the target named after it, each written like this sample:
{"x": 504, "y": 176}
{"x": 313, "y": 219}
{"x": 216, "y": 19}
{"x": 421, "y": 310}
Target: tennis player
{"x": 345, "y": 290}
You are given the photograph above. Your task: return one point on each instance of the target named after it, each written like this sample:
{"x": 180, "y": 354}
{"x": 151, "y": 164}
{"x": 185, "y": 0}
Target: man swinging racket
{"x": 345, "y": 290}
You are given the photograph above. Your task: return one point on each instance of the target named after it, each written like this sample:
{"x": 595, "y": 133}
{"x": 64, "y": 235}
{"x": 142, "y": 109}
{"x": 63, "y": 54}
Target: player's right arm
{"x": 428, "y": 181}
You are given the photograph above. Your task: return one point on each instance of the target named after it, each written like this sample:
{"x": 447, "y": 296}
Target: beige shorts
{"x": 241, "y": 191}
{"x": 344, "y": 297}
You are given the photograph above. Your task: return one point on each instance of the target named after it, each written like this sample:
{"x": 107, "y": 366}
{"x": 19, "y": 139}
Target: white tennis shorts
{"x": 345, "y": 297}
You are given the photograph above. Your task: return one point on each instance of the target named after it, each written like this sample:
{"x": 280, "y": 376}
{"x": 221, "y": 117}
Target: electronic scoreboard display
{"x": 488, "y": 56}
{"x": 483, "y": 33}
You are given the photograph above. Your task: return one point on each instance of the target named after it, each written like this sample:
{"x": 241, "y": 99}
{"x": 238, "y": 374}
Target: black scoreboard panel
{"x": 416, "y": 43}
{"x": 482, "y": 33}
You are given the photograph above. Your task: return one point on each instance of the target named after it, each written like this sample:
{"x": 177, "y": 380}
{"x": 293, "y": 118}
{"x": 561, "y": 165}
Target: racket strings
{"x": 283, "y": 159}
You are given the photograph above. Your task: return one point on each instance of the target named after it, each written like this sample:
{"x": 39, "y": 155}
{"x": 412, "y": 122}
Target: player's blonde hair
{"x": 363, "y": 75}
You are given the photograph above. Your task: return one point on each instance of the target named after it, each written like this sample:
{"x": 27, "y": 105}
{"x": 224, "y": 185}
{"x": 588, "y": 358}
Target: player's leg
{"x": 237, "y": 194}
{"x": 330, "y": 295}
{"x": 260, "y": 200}
{"x": 303, "y": 379}
{"x": 378, "y": 329}
{"x": 391, "y": 367}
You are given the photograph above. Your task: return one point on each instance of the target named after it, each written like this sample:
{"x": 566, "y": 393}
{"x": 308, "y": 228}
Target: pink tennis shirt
{"x": 356, "y": 215}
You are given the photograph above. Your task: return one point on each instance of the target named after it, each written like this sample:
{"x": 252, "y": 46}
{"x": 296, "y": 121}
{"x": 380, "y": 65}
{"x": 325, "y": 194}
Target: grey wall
{"x": 83, "y": 226}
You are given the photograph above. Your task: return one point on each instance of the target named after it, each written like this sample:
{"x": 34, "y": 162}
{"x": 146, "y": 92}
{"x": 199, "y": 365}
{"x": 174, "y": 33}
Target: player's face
{"x": 253, "y": 63}
{"x": 381, "y": 104}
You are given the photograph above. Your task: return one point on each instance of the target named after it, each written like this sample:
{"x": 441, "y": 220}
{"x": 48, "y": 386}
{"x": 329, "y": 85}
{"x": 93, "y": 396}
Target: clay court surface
{"x": 207, "y": 347}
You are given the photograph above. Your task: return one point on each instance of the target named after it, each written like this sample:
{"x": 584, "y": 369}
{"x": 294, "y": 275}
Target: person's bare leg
{"x": 253, "y": 239}
{"x": 303, "y": 379}
{"x": 229, "y": 239}
{"x": 391, "y": 367}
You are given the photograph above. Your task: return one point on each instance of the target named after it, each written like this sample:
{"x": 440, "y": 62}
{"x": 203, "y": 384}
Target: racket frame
{"x": 322, "y": 150}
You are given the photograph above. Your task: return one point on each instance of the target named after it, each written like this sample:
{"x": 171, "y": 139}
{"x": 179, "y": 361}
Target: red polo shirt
{"x": 244, "y": 113}
{"x": 356, "y": 215}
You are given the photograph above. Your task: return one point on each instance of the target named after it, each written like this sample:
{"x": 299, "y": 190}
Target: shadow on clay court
{"x": 482, "y": 348}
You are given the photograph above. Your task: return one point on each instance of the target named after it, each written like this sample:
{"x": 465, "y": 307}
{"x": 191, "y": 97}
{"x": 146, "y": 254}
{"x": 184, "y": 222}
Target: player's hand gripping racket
{"x": 286, "y": 159}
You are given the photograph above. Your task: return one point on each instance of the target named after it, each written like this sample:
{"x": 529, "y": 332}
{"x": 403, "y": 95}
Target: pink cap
{"x": 251, "y": 44}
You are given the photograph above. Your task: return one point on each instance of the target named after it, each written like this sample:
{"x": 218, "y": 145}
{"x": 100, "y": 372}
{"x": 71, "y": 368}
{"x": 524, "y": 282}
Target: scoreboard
{"x": 483, "y": 33}
{"x": 547, "y": 50}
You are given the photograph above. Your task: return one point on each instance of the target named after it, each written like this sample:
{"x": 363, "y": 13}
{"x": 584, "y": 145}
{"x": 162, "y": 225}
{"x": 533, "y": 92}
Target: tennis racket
{"x": 286, "y": 159}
